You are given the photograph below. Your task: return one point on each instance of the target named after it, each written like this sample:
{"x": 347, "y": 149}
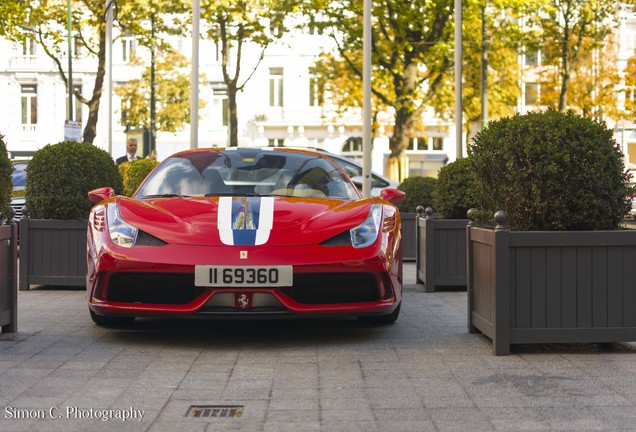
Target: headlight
{"x": 121, "y": 233}
{"x": 366, "y": 233}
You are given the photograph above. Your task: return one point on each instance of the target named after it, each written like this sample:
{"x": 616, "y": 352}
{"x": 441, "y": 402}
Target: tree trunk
{"x": 233, "y": 136}
{"x": 90, "y": 130}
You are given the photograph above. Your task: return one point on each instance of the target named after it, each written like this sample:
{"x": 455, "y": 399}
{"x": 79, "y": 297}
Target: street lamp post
{"x": 151, "y": 144}
{"x": 109, "y": 75}
{"x": 194, "y": 77}
{"x": 366, "y": 100}
{"x": 458, "y": 78}
{"x": 484, "y": 68}
{"x": 70, "y": 61}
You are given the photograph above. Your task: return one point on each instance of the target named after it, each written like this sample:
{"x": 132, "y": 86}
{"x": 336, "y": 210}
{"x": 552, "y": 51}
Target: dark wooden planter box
{"x": 408, "y": 235}
{"x": 52, "y": 252}
{"x": 441, "y": 252}
{"x": 551, "y": 287}
{"x": 9, "y": 278}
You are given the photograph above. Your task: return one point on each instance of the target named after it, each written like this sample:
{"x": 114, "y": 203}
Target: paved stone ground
{"x": 424, "y": 373}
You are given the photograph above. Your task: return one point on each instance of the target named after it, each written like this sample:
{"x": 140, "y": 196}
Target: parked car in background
{"x": 354, "y": 171}
{"x": 632, "y": 211}
{"x": 19, "y": 187}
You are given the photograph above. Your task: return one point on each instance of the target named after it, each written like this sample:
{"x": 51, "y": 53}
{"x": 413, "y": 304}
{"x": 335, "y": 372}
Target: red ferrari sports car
{"x": 244, "y": 232}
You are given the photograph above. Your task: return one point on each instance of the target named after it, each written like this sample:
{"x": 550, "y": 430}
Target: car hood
{"x": 244, "y": 221}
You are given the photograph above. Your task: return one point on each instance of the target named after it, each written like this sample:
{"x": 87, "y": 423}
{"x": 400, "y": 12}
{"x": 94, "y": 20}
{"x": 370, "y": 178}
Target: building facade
{"x": 278, "y": 107}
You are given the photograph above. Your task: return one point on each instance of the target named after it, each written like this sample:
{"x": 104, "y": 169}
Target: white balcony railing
{"x": 27, "y": 129}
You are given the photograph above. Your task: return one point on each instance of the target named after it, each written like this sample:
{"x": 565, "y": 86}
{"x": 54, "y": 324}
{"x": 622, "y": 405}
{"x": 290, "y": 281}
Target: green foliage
{"x": 453, "y": 194}
{"x": 172, "y": 94}
{"x": 411, "y": 46}
{"x": 419, "y": 192}
{"x": 550, "y": 171}
{"x": 233, "y": 25}
{"x": 6, "y": 185}
{"x": 60, "y": 176}
{"x": 569, "y": 30}
{"x": 504, "y": 36}
{"x": 134, "y": 172}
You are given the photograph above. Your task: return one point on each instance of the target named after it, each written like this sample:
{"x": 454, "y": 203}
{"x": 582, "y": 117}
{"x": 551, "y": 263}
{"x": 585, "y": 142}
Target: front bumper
{"x": 326, "y": 282}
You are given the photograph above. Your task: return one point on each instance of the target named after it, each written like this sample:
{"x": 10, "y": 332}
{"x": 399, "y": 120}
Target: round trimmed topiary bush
{"x": 134, "y": 172}
{"x": 550, "y": 171}
{"x": 419, "y": 191}
{"x": 6, "y": 184}
{"x": 453, "y": 194}
{"x": 60, "y": 176}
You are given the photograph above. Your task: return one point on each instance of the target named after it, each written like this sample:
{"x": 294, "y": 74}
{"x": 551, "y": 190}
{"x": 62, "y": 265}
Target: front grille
{"x": 153, "y": 288}
{"x": 333, "y": 288}
{"x": 309, "y": 288}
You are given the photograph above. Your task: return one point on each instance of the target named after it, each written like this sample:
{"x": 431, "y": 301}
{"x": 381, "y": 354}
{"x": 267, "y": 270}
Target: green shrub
{"x": 60, "y": 176}
{"x": 134, "y": 172}
{"x": 550, "y": 171}
{"x": 6, "y": 184}
{"x": 453, "y": 194}
{"x": 419, "y": 191}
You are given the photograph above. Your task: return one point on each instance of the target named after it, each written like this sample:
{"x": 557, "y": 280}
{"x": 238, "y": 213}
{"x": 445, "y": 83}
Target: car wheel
{"x": 382, "y": 319}
{"x": 110, "y": 321}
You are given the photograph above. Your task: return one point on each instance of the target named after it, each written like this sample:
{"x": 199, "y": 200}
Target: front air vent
{"x": 342, "y": 239}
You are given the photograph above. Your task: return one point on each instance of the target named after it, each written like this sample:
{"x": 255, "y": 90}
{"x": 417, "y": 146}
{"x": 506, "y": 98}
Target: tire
{"x": 382, "y": 319}
{"x": 110, "y": 321}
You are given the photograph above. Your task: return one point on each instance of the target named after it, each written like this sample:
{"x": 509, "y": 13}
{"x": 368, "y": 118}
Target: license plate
{"x": 243, "y": 276}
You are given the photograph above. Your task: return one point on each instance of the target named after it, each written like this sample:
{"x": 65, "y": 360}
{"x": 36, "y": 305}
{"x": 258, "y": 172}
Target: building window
{"x": 315, "y": 95}
{"x": 533, "y": 58}
{"x": 218, "y": 55}
{"x": 128, "y": 46}
{"x": 419, "y": 143}
{"x": 29, "y": 97}
{"x": 352, "y": 145}
{"x": 532, "y": 93}
{"x": 276, "y": 142}
{"x": 29, "y": 47}
{"x": 438, "y": 143}
{"x": 77, "y": 105}
{"x": 220, "y": 105}
{"x": 276, "y": 28}
{"x": 276, "y": 87}
{"x": 77, "y": 46}
{"x": 313, "y": 29}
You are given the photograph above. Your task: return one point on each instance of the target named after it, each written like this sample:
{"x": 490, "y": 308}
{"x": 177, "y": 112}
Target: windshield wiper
{"x": 167, "y": 195}
{"x": 237, "y": 194}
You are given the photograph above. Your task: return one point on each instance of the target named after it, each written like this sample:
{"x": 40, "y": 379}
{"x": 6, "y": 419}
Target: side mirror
{"x": 101, "y": 194}
{"x": 394, "y": 196}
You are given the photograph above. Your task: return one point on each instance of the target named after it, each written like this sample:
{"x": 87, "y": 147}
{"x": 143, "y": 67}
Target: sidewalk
{"x": 60, "y": 372}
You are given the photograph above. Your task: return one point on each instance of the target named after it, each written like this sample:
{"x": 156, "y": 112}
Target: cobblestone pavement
{"x": 60, "y": 372}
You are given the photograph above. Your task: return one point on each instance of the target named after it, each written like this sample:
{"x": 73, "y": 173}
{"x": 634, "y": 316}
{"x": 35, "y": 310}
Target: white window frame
{"x": 128, "y": 47}
{"x": 276, "y": 89}
{"x": 29, "y": 105}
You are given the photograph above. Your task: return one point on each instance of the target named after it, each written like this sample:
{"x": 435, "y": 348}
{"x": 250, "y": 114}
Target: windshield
{"x": 248, "y": 172}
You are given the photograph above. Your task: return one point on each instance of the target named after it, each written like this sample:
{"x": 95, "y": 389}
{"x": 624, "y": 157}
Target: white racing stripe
{"x": 264, "y": 223}
{"x": 266, "y": 220}
{"x": 224, "y": 220}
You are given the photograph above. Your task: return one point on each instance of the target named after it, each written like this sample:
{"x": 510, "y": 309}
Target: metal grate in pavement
{"x": 220, "y": 411}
